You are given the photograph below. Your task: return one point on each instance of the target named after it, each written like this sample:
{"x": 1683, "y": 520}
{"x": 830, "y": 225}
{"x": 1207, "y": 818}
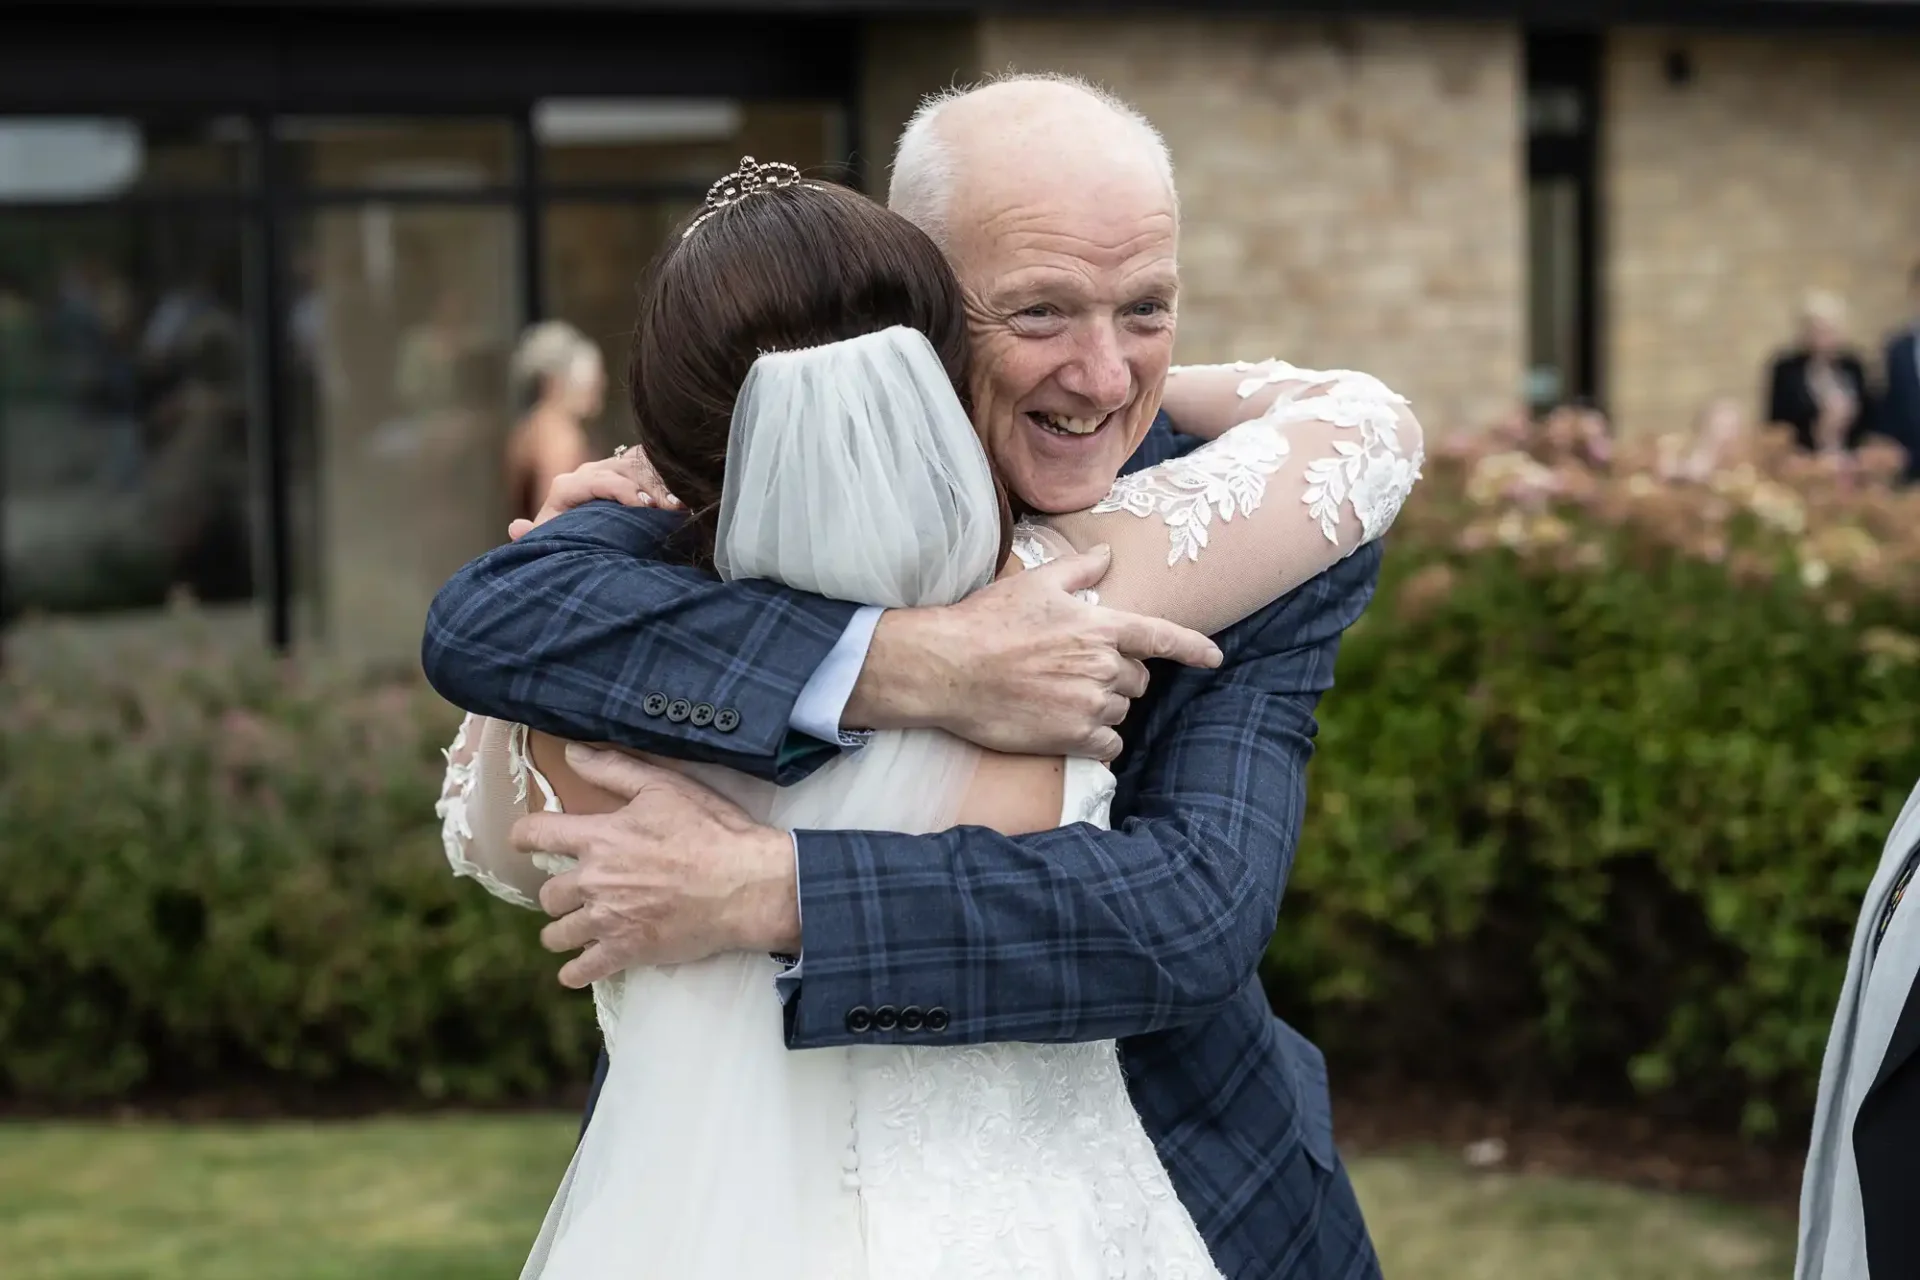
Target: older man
{"x": 1057, "y": 209}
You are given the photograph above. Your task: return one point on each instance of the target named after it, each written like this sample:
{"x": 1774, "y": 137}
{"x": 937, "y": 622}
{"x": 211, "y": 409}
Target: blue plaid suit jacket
{"x": 1150, "y": 934}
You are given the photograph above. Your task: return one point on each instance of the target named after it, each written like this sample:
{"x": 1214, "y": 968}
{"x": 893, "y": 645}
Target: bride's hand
{"x": 627, "y": 478}
{"x": 1022, "y": 666}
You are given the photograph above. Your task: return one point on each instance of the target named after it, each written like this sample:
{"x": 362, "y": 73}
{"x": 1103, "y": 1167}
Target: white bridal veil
{"x": 715, "y": 1153}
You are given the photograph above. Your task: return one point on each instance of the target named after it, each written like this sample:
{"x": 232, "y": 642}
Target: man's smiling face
{"x": 1066, "y": 249}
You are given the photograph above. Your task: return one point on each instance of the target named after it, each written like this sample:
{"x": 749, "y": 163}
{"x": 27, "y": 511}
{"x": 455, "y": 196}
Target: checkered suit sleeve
{"x": 580, "y": 630}
{"x": 1080, "y": 934}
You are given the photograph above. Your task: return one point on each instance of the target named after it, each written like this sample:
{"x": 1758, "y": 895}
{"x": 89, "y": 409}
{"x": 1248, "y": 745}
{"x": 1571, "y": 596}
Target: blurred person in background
{"x": 559, "y": 383}
{"x": 1900, "y": 410}
{"x": 1860, "y": 1196}
{"x": 1819, "y": 388}
{"x": 194, "y": 471}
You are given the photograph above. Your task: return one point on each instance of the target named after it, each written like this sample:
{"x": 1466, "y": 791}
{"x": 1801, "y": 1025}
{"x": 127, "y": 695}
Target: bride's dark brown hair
{"x": 797, "y": 266}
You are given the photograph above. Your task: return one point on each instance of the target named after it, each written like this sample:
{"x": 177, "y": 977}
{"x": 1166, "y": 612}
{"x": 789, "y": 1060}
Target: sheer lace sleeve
{"x": 1319, "y": 468}
{"x": 490, "y": 782}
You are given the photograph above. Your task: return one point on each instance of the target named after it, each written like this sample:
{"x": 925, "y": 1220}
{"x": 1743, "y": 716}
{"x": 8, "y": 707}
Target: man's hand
{"x": 677, "y": 875}
{"x": 627, "y": 478}
{"x": 1022, "y": 666}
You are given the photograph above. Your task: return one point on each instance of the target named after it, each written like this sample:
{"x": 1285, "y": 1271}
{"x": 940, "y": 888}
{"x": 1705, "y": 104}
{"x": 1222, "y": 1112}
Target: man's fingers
{"x": 589, "y": 967}
{"x": 1075, "y": 572}
{"x": 1142, "y": 637}
{"x": 569, "y": 933}
{"x": 561, "y": 894}
{"x": 1115, "y": 710}
{"x": 518, "y": 528}
{"x": 1131, "y": 679}
{"x": 1104, "y": 746}
{"x": 566, "y": 833}
{"x": 615, "y": 771}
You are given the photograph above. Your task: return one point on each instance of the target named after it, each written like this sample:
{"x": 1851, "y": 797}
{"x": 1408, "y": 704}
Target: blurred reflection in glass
{"x": 596, "y": 241}
{"x": 124, "y": 416}
{"x": 400, "y": 319}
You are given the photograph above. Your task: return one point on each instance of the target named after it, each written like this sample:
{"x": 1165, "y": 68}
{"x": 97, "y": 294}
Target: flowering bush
{"x": 217, "y": 875}
{"x": 1609, "y": 766}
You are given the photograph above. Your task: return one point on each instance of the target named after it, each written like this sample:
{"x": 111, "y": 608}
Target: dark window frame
{"x": 1570, "y": 61}
{"x": 369, "y": 64}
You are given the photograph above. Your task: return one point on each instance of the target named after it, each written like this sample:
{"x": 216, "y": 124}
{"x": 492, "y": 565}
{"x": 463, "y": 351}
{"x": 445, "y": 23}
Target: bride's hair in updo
{"x": 797, "y": 266}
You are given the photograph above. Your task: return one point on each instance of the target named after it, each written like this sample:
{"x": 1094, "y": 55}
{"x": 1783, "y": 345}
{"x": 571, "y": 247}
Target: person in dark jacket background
{"x": 1819, "y": 388}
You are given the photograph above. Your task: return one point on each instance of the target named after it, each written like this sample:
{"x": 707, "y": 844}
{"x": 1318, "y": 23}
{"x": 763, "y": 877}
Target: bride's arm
{"x": 1208, "y": 400}
{"x": 1206, "y": 539}
{"x": 1308, "y": 467}
{"x": 487, "y": 786}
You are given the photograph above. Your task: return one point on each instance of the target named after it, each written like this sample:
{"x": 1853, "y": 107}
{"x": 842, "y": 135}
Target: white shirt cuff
{"x": 787, "y": 981}
{"x": 823, "y": 701}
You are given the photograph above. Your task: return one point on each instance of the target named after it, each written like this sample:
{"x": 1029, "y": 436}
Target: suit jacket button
{"x": 702, "y": 715}
{"x": 912, "y": 1019}
{"x": 937, "y": 1020}
{"x": 656, "y": 704}
{"x": 859, "y": 1020}
{"x": 726, "y": 719}
{"x": 678, "y": 710}
{"x": 886, "y": 1018}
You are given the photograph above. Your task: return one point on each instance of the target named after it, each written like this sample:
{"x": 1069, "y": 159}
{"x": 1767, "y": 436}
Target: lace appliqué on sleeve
{"x": 456, "y": 823}
{"x": 472, "y": 781}
{"x": 1228, "y": 476}
{"x": 1035, "y": 545}
{"x": 1373, "y": 472}
{"x": 1370, "y": 472}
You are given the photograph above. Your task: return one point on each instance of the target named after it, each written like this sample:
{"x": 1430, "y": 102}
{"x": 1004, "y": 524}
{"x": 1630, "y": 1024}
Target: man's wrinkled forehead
{"x": 1069, "y": 215}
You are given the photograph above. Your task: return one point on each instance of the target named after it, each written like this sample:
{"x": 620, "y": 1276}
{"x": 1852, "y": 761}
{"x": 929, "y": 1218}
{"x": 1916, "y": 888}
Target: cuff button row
{"x": 912, "y": 1019}
{"x": 700, "y": 715}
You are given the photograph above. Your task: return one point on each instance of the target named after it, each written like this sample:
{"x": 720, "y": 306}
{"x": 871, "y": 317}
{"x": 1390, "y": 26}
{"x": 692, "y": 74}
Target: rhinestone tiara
{"x": 750, "y": 179}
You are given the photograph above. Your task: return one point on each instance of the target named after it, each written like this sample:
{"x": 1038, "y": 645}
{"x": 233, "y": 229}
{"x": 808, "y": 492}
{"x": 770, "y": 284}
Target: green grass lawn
{"x": 440, "y": 1198}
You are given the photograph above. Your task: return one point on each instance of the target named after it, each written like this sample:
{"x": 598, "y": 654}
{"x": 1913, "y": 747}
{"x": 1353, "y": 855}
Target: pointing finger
{"x": 613, "y": 771}
{"x": 1141, "y": 637}
{"x": 566, "y": 833}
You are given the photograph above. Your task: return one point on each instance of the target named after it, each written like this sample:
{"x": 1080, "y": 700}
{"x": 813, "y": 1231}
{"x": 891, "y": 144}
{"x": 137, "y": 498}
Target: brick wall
{"x": 1788, "y": 162}
{"x": 1352, "y": 191}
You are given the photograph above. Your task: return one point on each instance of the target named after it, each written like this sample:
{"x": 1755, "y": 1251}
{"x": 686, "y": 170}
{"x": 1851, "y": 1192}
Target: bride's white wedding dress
{"x": 714, "y": 1152}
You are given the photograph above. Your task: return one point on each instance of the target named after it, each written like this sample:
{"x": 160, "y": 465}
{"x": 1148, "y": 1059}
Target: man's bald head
{"x": 1020, "y": 128}
{"x": 1054, "y": 203}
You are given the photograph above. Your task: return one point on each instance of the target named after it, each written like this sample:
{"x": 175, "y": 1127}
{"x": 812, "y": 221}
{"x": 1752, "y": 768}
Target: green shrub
{"x": 217, "y": 876}
{"x": 1608, "y": 769}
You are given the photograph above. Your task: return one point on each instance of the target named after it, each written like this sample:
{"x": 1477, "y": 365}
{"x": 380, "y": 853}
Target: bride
{"x": 801, "y": 381}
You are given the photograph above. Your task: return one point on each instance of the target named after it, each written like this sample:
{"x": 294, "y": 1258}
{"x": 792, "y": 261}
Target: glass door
{"x": 618, "y": 175}
{"x": 127, "y": 425}
{"x": 402, "y": 304}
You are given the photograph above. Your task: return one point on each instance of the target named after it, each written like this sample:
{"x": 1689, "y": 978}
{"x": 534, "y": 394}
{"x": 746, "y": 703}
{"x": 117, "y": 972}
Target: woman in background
{"x": 559, "y": 384}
